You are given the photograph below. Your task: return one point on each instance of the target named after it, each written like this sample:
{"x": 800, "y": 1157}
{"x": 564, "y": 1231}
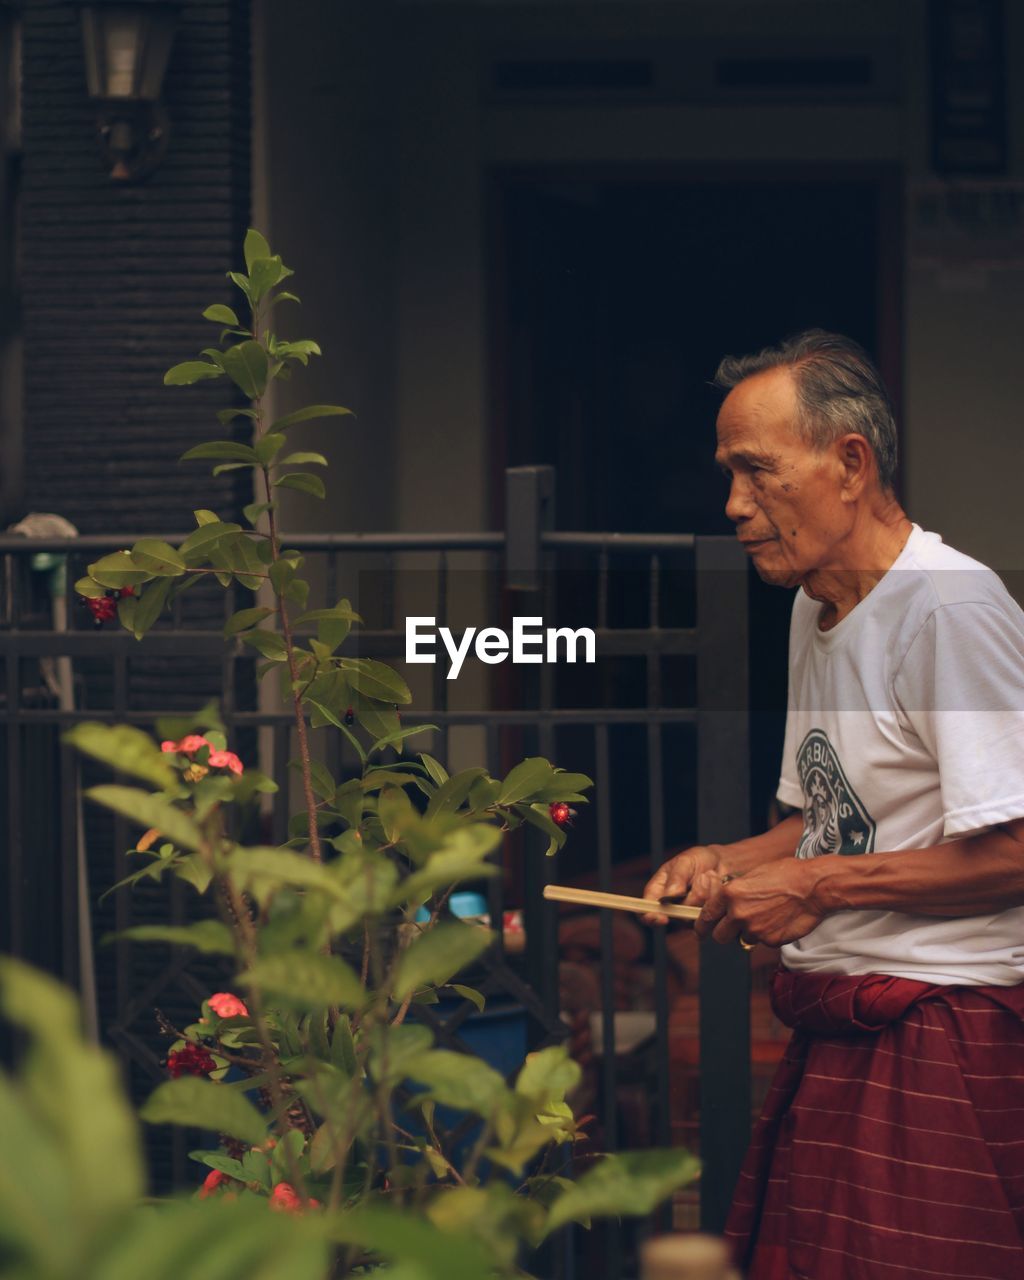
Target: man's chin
{"x": 776, "y": 575}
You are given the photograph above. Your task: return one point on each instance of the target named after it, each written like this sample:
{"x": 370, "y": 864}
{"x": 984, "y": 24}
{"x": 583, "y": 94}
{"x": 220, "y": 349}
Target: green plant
{"x": 322, "y": 1086}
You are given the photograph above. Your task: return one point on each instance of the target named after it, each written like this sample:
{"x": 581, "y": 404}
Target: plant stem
{"x": 302, "y": 736}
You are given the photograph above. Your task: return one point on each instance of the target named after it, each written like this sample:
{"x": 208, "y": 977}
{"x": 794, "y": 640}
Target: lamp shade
{"x": 127, "y": 47}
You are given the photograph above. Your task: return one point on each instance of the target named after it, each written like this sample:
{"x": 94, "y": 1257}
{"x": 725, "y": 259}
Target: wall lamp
{"x": 127, "y": 47}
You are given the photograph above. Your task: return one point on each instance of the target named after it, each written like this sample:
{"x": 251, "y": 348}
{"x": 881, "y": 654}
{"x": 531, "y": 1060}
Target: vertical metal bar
{"x": 609, "y": 1074}
{"x": 440, "y": 675}
{"x": 656, "y": 821}
{"x": 604, "y": 881}
{"x": 122, "y": 901}
{"x": 15, "y": 860}
{"x": 496, "y": 884}
{"x": 67, "y": 789}
{"x": 723, "y": 786}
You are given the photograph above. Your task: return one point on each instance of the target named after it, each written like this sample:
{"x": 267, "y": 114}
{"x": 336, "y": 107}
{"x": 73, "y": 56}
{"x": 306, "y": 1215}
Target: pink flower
{"x": 225, "y": 760}
{"x": 226, "y": 1005}
{"x": 188, "y": 746}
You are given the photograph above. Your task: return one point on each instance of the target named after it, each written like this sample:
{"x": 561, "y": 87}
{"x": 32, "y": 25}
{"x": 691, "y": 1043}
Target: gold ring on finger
{"x": 747, "y": 946}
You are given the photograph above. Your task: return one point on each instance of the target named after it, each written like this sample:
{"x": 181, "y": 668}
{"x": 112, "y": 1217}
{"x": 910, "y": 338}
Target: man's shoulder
{"x": 934, "y": 575}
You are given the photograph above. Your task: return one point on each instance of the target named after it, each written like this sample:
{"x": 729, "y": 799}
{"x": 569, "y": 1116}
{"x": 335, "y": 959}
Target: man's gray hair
{"x": 838, "y": 388}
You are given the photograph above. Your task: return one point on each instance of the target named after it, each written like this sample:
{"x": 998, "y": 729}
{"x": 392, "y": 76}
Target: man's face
{"x": 784, "y": 495}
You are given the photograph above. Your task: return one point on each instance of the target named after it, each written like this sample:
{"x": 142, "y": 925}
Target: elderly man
{"x": 892, "y": 1141}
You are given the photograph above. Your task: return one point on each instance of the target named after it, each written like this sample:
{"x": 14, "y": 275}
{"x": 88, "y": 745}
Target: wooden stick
{"x": 618, "y": 902}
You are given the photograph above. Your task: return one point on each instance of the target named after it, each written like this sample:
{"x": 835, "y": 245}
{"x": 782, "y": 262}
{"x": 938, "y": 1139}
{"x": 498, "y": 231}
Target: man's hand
{"x": 772, "y": 904}
{"x": 691, "y": 876}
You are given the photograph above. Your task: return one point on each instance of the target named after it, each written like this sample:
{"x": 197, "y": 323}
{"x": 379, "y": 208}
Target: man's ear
{"x": 857, "y": 462}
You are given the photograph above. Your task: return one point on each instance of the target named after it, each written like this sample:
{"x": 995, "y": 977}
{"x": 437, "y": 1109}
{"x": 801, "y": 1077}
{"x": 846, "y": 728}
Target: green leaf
{"x": 632, "y": 1183}
{"x": 149, "y": 810}
{"x": 548, "y": 1075}
{"x": 264, "y": 274}
{"x": 244, "y": 619}
{"x": 232, "y": 450}
{"x": 436, "y": 770}
{"x": 306, "y": 981}
{"x": 400, "y": 735}
{"x": 437, "y": 955}
{"x": 248, "y": 368}
{"x": 203, "y": 1104}
{"x": 462, "y": 857}
{"x": 126, "y": 748}
{"x": 268, "y": 446}
{"x": 421, "y": 1250}
{"x": 471, "y": 994}
{"x": 149, "y": 606}
{"x": 89, "y": 589}
{"x": 343, "y": 1050}
{"x": 394, "y": 808}
{"x": 459, "y": 1080}
{"x": 254, "y": 248}
{"x": 269, "y": 643}
{"x": 341, "y": 610}
{"x": 190, "y": 371}
{"x": 254, "y": 510}
{"x": 262, "y": 870}
{"x": 157, "y": 557}
{"x": 393, "y": 1047}
{"x": 308, "y": 413}
{"x": 538, "y": 816}
{"x": 118, "y": 570}
{"x": 454, "y": 791}
{"x": 211, "y": 1240}
{"x": 281, "y": 573}
{"x": 71, "y": 1154}
{"x": 220, "y": 314}
{"x": 323, "y": 784}
{"x": 208, "y": 936}
{"x": 304, "y": 482}
{"x": 196, "y": 546}
{"x": 297, "y": 459}
{"x": 376, "y": 680}
{"x": 565, "y": 784}
{"x": 524, "y": 779}
{"x": 236, "y": 277}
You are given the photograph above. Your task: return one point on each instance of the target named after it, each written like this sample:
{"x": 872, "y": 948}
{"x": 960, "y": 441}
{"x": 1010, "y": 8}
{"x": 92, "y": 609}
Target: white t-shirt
{"x": 905, "y": 729}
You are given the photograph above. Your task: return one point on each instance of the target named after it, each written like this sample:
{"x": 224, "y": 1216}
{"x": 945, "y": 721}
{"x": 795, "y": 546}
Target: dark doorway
{"x": 615, "y": 298}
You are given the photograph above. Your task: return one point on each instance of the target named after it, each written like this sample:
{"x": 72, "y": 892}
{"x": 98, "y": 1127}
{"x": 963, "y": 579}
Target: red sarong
{"x": 891, "y": 1144}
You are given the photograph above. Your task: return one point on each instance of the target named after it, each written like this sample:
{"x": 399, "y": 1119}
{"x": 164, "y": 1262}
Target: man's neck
{"x": 863, "y": 558}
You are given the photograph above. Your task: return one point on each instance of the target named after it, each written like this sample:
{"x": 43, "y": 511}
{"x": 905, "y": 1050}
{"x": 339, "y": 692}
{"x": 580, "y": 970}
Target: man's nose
{"x": 740, "y": 504}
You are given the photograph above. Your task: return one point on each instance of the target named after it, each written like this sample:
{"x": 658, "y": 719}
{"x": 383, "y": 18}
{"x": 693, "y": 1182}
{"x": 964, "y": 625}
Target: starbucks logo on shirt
{"x": 835, "y": 821}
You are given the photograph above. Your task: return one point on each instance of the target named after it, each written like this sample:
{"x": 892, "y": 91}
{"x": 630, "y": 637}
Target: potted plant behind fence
{"x": 322, "y": 1091}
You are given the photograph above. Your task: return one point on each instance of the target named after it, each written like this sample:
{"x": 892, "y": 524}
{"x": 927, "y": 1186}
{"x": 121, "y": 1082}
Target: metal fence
{"x": 660, "y": 722}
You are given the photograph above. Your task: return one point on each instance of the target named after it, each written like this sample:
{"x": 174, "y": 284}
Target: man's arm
{"x": 779, "y": 902}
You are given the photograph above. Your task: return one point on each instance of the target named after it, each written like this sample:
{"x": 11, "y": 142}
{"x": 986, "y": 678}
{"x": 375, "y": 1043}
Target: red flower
{"x": 103, "y": 609}
{"x": 225, "y": 760}
{"x": 212, "y": 1181}
{"x": 285, "y": 1197}
{"x": 226, "y": 1005}
{"x": 192, "y": 1060}
{"x": 561, "y": 814}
